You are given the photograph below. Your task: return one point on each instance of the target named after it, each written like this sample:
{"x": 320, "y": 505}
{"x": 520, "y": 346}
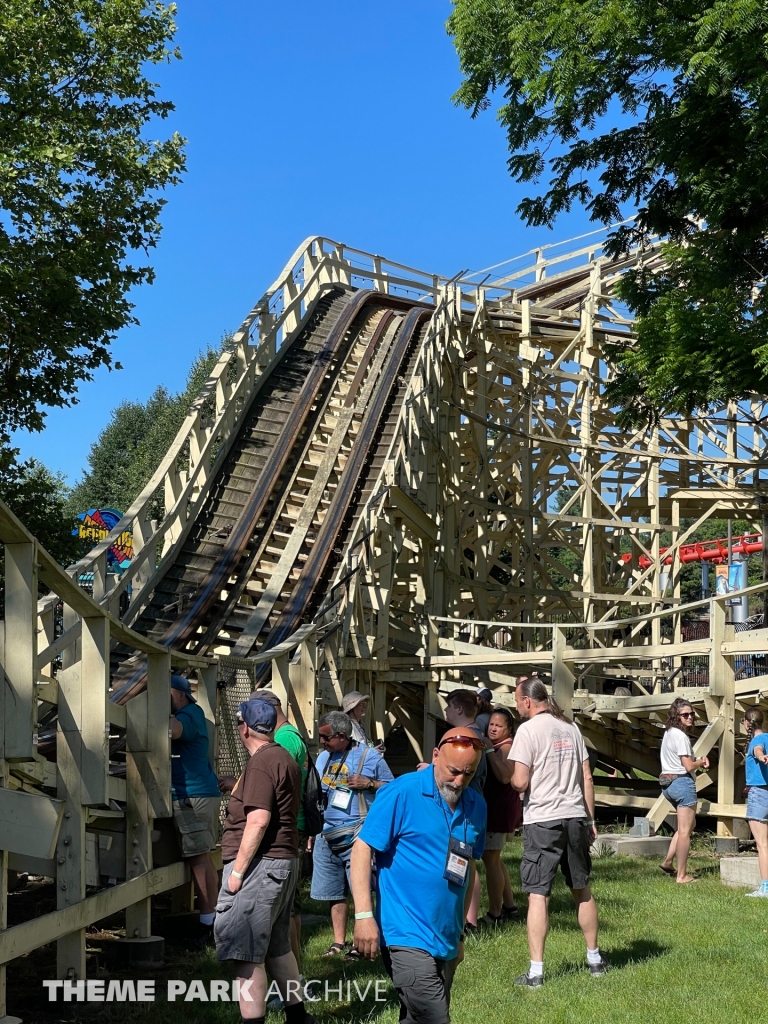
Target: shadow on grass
{"x": 637, "y": 952}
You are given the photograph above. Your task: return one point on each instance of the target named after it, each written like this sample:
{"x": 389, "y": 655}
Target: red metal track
{"x": 707, "y": 550}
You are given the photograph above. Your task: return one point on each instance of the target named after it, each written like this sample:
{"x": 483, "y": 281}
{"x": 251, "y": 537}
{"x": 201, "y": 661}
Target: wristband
{"x": 237, "y": 874}
{"x": 363, "y": 914}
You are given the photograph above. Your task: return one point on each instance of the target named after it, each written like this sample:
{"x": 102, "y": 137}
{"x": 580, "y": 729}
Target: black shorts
{"x": 549, "y": 844}
{"x": 423, "y": 984}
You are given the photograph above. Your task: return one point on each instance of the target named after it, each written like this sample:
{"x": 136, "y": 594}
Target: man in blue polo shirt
{"x": 426, "y": 828}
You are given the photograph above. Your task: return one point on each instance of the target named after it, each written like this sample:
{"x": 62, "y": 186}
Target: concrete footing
{"x": 633, "y": 846}
{"x": 726, "y": 844}
{"x": 138, "y": 952}
{"x": 740, "y": 872}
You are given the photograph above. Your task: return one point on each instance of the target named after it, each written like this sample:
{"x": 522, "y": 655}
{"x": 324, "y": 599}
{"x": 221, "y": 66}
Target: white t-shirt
{"x": 675, "y": 744}
{"x": 555, "y": 752}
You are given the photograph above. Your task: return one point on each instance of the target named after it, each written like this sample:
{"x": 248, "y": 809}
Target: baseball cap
{"x": 351, "y": 700}
{"x": 182, "y": 684}
{"x": 258, "y": 715}
{"x": 484, "y": 693}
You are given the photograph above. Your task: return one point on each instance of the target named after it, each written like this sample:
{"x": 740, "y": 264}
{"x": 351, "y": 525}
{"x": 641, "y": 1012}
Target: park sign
{"x": 96, "y": 524}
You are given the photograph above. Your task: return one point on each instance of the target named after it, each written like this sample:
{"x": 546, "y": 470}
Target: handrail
{"x": 757, "y": 588}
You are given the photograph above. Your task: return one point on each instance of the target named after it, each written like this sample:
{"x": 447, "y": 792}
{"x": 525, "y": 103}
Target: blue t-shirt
{"x": 191, "y": 772}
{"x": 335, "y": 769}
{"x": 757, "y": 772}
{"x": 408, "y": 826}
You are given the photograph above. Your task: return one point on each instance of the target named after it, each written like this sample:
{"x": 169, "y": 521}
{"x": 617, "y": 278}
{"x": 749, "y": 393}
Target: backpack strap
{"x": 362, "y": 802}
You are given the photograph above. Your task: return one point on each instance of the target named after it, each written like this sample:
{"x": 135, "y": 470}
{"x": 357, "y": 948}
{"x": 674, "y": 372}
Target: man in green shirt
{"x": 290, "y": 739}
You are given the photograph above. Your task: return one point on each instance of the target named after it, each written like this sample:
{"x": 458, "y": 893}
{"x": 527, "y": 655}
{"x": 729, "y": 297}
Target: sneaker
{"x": 530, "y": 980}
{"x": 598, "y": 970}
{"x": 759, "y": 893}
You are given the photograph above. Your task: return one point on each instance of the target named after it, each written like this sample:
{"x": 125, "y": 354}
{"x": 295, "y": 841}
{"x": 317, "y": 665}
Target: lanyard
{"x": 339, "y": 766}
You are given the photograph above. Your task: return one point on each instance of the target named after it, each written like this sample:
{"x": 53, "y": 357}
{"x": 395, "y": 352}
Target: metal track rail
{"x": 365, "y": 343}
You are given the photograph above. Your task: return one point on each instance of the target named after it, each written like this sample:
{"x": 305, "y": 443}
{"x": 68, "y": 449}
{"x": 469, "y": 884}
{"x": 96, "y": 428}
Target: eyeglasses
{"x": 463, "y": 740}
{"x": 326, "y": 737}
{"x": 687, "y": 714}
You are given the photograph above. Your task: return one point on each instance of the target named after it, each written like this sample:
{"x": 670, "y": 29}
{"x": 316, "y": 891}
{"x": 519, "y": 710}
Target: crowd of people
{"x": 406, "y": 850}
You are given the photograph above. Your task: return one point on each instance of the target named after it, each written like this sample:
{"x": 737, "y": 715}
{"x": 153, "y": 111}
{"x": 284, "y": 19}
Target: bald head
{"x": 455, "y": 761}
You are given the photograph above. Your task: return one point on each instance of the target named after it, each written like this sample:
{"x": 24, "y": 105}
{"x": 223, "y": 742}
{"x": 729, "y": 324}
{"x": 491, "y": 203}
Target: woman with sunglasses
{"x": 678, "y": 782}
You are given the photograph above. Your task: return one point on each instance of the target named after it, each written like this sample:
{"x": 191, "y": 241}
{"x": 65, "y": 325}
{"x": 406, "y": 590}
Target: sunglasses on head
{"x": 463, "y": 741}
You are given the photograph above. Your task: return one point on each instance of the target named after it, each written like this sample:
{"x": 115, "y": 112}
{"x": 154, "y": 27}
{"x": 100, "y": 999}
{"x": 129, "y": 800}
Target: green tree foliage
{"x": 38, "y": 498}
{"x": 134, "y": 442}
{"x": 629, "y": 104}
{"x": 79, "y": 189}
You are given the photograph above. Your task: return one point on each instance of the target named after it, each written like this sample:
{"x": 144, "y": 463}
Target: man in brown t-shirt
{"x": 261, "y": 869}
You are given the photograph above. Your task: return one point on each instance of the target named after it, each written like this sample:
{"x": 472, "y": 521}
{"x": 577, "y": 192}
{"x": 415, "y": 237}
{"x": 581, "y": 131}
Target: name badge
{"x": 457, "y": 861}
{"x": 341, "y": 798}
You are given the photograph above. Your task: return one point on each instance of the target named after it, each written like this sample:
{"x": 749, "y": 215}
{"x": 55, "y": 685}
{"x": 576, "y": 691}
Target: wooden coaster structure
{"x": 396, "y": 483}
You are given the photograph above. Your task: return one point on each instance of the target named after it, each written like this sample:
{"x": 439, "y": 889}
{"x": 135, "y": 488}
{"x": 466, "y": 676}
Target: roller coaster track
{"x": 265, "y": 488}
{"x": 286, "y": 488}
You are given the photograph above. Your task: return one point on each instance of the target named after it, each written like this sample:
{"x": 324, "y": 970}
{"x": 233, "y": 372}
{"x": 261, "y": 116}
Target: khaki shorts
{"x": 197, "y": 821}
{"x": 495, "y": 840}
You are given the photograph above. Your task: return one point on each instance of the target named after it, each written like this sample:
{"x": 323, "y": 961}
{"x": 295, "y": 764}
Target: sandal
{"x": 353, "y": 955}
{"x": 667, "y": 871}
{"x": 334, "y": 949}
{"x": 511, "y": 913}
{"x": 489, "y": 921}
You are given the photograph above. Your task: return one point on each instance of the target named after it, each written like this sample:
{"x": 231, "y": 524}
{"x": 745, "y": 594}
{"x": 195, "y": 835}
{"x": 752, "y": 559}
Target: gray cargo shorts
{"x": 254, "y": 923}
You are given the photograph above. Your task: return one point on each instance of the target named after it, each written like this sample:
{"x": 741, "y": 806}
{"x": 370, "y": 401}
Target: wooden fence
{"x": 87, "y": 814}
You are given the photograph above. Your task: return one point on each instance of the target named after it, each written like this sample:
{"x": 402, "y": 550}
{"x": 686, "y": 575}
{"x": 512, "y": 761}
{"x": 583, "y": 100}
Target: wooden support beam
{"x": 24, "y": 938}
{"x": 29, "y": 823}
{"x": 563, "y": 679}
{"x": 20, "y": 656}
{"x": 722, "y": 683}
{"x": 413, "y": 516}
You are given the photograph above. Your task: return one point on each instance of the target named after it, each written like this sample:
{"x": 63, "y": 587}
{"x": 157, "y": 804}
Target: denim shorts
{"x": 757, "y": 803}
{"x": 682, "y": 792}
{"x": 330, "y": 872}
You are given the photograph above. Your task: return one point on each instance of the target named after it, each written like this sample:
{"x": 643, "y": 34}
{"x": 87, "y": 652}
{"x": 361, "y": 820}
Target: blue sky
{"x": 302, "y": 118}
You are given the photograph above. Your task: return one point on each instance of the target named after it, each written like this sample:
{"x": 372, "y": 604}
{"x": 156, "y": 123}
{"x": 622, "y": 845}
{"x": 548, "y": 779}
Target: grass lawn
{"x": 680, "y": 955}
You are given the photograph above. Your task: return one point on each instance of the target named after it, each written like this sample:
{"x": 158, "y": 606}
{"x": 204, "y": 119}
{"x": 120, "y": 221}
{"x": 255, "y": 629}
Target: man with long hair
{"x": 552, "y": 769}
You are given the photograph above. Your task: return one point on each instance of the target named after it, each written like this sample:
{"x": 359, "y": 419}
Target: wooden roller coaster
{"x": 392, "y": 482}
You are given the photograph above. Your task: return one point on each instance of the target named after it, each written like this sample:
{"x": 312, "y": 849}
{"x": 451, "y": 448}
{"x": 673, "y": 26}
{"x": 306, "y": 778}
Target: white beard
{"x": 451, "y": 796}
